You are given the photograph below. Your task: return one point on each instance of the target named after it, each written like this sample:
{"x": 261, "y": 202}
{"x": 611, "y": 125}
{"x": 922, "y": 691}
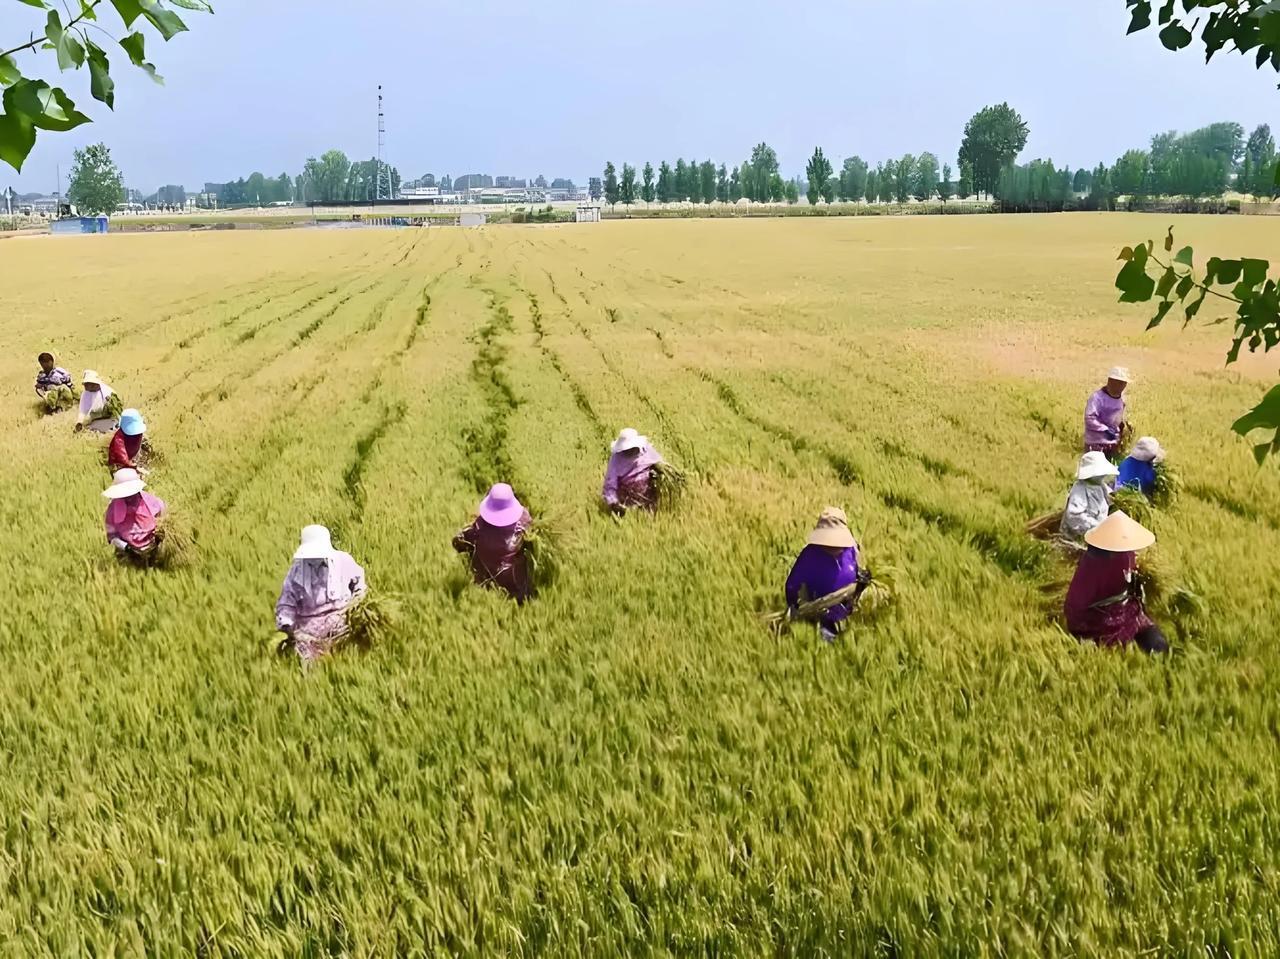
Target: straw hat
{"x": 316, "y": 543}
{"x": 832, "y": 530}
{"x": 1095, "y": 464}
{"x": 1120, "y": 373}
{"x": 127, "y": 482}
{"x": 1148, "y": 450}
{"x": 131, "y": 423}
{"x": 91, "y": 376}
{"x": 500, "y": 507}
{"x": 629, "y": 439}
{"x": 1119, "y": 534}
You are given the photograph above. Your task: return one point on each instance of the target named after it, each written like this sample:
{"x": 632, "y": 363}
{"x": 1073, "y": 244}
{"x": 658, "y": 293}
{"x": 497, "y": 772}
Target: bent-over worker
{"x": 1090, "y": 498}
{"x": 1102, "y": 602}
{"x": 1138, "y": 469}
{"x": 628, "y": 480}
{"x": 99, "y": 405}
{"x": 133, "y": 516}
{"x": 828, "y": 562}
{"x": 1104, "y": 422}
{"x": 322, "y": 583}
{"x": 495, "y": 543}
{"x": 54, "y": 385}
{"x": 126, "y": 444}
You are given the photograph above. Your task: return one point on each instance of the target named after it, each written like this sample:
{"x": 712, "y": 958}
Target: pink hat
{"x": 500, "y": 507}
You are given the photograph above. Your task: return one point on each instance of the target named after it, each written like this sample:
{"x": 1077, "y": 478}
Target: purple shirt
{"x": 626, "y": 481}
{"x": 818, "y": 573}
{"x": 55, "y": 377}
{"x": 1103, "y": 415}
{"x": 317, "y": 592}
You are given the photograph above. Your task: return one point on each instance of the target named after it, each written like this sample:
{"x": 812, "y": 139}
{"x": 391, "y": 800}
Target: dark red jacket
{"x": 123, "y": 451}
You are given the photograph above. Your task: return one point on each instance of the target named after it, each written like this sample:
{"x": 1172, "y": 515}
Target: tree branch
{"x": 32, "y": 43}
{"x": 1198, "y": 284}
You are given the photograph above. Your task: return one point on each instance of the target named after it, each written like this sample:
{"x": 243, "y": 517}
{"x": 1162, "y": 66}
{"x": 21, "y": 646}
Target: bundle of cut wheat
{"x": 175, "y": 541}
{"x": 370, "y": 621}
{"x": 869, "y": 595}
{"x": 542, "y": 550}
{"x": 1135, "y": 504}
{"x": 667, "y": 484}
{"x": 1045, "y": 526}
{"x": 1168, "y": 486}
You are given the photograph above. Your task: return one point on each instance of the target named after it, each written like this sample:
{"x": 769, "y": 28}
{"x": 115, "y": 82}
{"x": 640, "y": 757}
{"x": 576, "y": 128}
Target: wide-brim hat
{"x": 1148, "y": 450}
{"x": 832, "y": 530}
{"x": 500, "y": 507}
{"x": 131, "y": 423}
{"x": 127, "y": 482}
{"x": 629, "y": 439}
{"x": 1120, "y": 534}
{"x": 1120, "y": 374}
{"x": 316, "y": 543}
{"x": 1095, "y": 464}
{"x": 91, "y": 376}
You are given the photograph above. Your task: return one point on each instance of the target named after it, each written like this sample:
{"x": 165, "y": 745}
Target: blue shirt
{"x": 819, "y": 573}
{"x": 1138, "y": 474}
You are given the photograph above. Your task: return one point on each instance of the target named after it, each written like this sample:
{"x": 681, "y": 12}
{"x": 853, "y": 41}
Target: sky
{"x": 561, "y": 86}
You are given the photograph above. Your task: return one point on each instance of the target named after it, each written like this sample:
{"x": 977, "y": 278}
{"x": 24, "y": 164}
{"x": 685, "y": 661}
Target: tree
{"x": 1261, "y": 154}
{"x": 594, "y": 188}
{"x": 1101, "y": 193}
{"x": 284, "y": 188}
{"x": 681, "y": 180}
{"x": 853, "y": 178}
{"x": 818, "y": 171}
{"x": 888, "y": 181}
{"x": 646, "y": 190}
{"x": 1081, "y": 181}
{"x": 777, "y": 188}
{"x": 748, "y": 181}
{"x": 993, "y": 138}
{"x": 792, "y": 192}
{"x": 903, "y": 177}
{"x": 96, "y": 185}
{"x": 925, "y": 177}
{"x": 964, "y": 189}
{"x": 1243, "y": 26}
{"x": 666, "y": 183}
{"x": 695, "y": 182}
{"x": 735, "y": 185}
{"x": 1129, "y": 176}
{"x": 610, "y": 184}
{"x": 31, "y": 104}
{"x": 707, "y": 174}
{"x": 946, "y": 188}
{"x": 873, "y": 186}
{"x": 627, "y": 189}
{"x": 722, "y": 184}
{"x": 758, "y": 174}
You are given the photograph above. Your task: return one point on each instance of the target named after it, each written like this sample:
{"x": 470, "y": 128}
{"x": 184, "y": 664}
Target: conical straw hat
{"x": 1120, "y": 534}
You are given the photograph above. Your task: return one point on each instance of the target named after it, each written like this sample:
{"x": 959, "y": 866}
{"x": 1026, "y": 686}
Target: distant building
{"x": 510, "y": 183}
{"x": 472, "y": 181}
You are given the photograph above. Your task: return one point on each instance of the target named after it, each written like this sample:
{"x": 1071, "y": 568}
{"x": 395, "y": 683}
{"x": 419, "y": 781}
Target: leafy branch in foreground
{"x": 31, "y": 105}
{"x": 1242, "y": 282}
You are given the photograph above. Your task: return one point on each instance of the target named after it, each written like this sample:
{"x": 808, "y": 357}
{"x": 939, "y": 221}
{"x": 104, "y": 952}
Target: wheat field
{"x": 630, "y": 764}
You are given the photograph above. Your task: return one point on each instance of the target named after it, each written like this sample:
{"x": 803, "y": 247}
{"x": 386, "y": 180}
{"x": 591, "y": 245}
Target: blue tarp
{"x": 79, "y": 224}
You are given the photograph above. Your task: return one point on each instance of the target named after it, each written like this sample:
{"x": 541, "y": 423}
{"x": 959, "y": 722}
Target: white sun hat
{"x": 1120, "y": 373}
{"x": 629, "y": 439}
{"x": 91, "y": 376}
{"x": 1148, "y": 450}
{"x": 1094, "y": 464}
{"x": 316, "y": 543}
{"x": 127, "y": 482}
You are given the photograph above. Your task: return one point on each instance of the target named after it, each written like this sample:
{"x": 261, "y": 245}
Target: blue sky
{"x": 560, "y": 86}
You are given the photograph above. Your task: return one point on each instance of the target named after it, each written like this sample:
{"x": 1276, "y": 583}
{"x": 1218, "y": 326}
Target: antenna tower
{"x": 382, "y": 189}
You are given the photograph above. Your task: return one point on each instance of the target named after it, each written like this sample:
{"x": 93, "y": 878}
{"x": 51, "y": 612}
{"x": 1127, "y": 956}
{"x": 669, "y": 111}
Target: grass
{"x": 631, "y": 763}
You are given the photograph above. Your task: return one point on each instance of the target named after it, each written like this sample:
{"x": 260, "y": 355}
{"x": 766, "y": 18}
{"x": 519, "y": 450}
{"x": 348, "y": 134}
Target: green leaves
{"x": 168, "y": 23}
{"x": 17, "y": 137}
{"x": 129, "y": 10}
{"x": 47, "y": 108}
{"x": 1185, "y": 257}
{"x": 100, "y": 83}
{"x": 1175, "y": 36}
{"x": 1141, "y": 16}
{"x": 1264, "y": 416}
{"x": 69, "y": 50}
{"x": 9, "y": 72}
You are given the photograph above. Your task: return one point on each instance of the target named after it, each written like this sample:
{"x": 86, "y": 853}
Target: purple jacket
{"x": 818, "y": 573}
{"x": 626, "y": 481}
{"x": 1103, "y": 416}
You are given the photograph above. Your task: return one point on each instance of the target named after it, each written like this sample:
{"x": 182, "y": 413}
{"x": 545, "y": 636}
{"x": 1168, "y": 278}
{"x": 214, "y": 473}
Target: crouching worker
{"x": 99, "y": 405}
{"x": 322, "y": 583}
{"x": 1103, "y": 602}
{"x": 495, "y": 543}
{"x": 628, "y": 481}
{"x": 54, "y": 386}
{"x": 133, "y": 516}
{"x": 827, "y": 564}
{"x": 1090, "y": 498}
{"x": 127, "y": 443}
{"x": 1138, "y": 469}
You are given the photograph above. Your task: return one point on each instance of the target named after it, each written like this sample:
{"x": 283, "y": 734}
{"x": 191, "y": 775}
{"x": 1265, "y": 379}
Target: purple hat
{"x": 500, "y": 507}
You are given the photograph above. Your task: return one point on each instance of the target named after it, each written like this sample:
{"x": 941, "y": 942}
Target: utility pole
{"x": 382, "y": 177}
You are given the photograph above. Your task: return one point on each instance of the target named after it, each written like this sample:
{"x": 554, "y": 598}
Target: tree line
{"x": 330, "y": 177}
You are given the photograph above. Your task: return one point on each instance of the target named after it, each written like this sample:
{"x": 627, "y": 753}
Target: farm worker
{"x": 1139, "y": 468}
{"x": 132, "y": 515}
{"x": 1104, "y": 414}
{"x": 828, "y": 562}
{"x": 627, "y": 482}
{"x": 126, "y": 444}
{"x": 495, "y": 542}
{"x": 1090, "y": 498}
{"x": 1102, "y": 602}
{"x": 97, "y": 409}
{"x": 321, "y": 584}
{"x": 54, "y": 386}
